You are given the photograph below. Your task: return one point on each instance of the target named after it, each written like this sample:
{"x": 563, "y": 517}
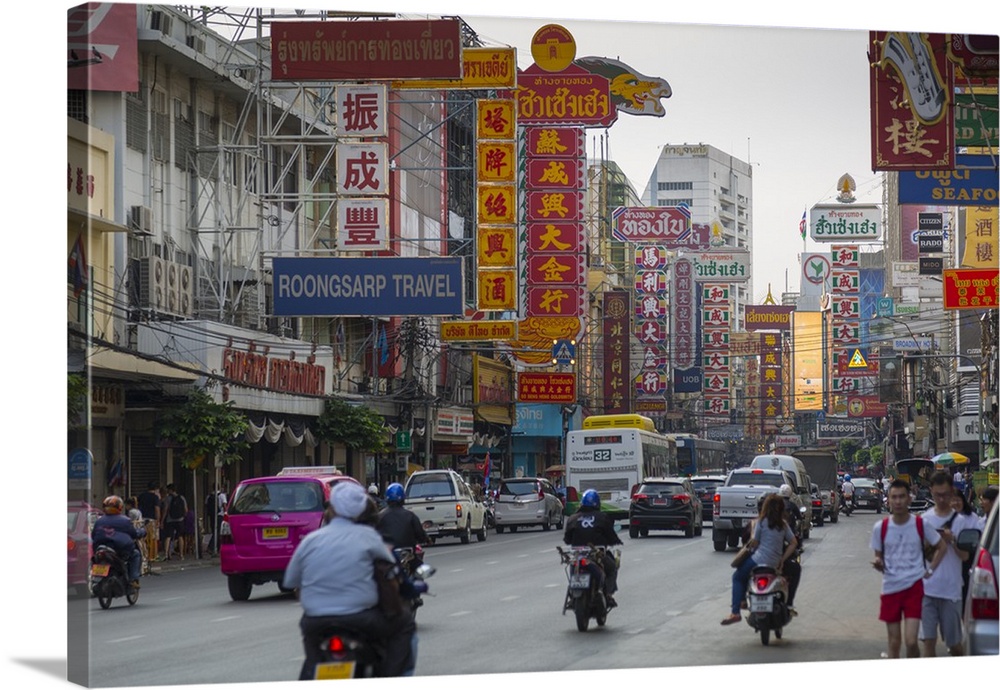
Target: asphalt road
{"x": 497, "y": 609}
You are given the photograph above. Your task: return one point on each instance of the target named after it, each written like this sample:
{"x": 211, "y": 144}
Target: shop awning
{"x": 495, "y": 414}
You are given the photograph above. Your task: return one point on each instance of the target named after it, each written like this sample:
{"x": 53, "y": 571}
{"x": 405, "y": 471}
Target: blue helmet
{"x": 394, "y": 493}
{"x": 847, "y": 477}
{"x": 590, "y": 499}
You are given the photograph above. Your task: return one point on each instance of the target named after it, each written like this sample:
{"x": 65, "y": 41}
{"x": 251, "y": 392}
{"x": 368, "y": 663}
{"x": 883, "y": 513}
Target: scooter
{"x": 411, "y": 560}
{"x": 766, "y": 600}
{"x": 348, "y": 653}
{"x": 109, "y": 577}
{"x": 585, "y": 591}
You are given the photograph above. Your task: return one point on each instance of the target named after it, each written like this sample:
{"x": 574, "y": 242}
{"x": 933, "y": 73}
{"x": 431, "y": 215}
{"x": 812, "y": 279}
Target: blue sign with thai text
{"x": 369, "y": 286}
{"x": 973, "y": 182}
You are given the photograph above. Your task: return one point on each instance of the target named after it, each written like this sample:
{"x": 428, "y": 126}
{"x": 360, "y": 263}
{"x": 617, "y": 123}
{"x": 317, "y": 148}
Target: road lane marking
{"x": 556, "y": 584}
{"x": 524, "y": 555}
{"x": 172, "y": 599}
{"x": 459, "y": 613}
{"x": 224, "y": 618}
{"x": 457, "y": 570}
{"x": 126, "y": 639}
{"x": 492, "y": 562}
{"x": 511, "y": 598}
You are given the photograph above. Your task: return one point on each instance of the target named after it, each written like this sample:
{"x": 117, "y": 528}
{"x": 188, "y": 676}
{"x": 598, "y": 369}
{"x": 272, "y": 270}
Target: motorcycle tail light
{"x": 336, "y": 644}
{"x": 584, "y": 563}
{"x": 70, "y": 544}
{"x": 763, "y": 582}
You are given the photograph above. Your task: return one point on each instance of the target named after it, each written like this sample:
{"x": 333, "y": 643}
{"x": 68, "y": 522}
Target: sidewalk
{"x": 176, "y": 564}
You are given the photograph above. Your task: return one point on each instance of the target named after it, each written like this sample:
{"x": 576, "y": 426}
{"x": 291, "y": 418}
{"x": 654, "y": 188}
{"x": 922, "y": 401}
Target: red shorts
{"x": 905, "y": 604}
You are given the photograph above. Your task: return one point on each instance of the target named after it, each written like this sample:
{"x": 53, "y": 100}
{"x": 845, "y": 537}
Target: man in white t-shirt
{"x": 899, "y": 557}
{"x": 942, "y": 604}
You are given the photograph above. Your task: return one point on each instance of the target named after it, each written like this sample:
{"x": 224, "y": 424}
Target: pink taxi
{"x": 265, "y": 520}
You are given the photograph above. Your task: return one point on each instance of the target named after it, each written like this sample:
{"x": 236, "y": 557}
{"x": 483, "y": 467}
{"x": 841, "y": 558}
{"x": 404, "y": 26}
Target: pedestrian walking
{"x": 215, "y": 510}
{"x": 898, "y": 542}
{"x": 172, "y": 524}
{"x": 942, "y": 601}
{"x": 150, "y": 505}
{"x": 986, "y": 500}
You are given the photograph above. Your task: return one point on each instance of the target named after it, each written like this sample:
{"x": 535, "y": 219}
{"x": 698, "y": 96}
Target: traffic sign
{"x": 857, "y": 361}
{"x": 564, "y": 352}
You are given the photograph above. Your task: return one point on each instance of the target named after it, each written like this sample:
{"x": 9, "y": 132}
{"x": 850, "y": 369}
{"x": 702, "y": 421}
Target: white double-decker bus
{"x": 612, "y": 454}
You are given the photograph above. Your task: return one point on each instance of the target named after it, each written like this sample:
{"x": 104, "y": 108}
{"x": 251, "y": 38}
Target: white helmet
{"x": 785, "y": 491}
{"x": 372, "y": 489}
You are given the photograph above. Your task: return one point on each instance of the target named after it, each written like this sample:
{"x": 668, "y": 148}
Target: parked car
{"x": 527, "y": 501}
{"x": 80, "y": 519}
{"x": 704, "y": 487}
{"x": 981, "y": 604}
{"x": 867, "y": 494}
{"x": 265, "y": 520}
{"x": 668, "y": 503}
{"x": 445, "y": 505}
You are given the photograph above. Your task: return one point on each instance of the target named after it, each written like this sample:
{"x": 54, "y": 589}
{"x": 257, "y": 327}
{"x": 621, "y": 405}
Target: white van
{"x": 797, "y": 470}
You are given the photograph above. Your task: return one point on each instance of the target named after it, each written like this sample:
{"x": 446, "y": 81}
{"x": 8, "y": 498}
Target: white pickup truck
{"x": 735, "y": 502}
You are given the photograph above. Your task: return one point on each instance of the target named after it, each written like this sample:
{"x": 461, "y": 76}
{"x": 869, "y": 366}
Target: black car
{"x": 668, "y": 503}
{"x": 705, "y": 487}
{"x": 867, "y": 494}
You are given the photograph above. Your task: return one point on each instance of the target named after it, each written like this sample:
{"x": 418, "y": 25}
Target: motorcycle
{"x": 846, "y": 505}
{"x": 766, "y": 597}
{"x": 348, "y": 653}
{"x": 109, "y": 577}
{"x": 585, "y": 591}
{"x": 411, "y": 560}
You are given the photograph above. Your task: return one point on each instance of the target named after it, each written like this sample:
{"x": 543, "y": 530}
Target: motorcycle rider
{"x": 792, "y": 569}
{"x": 847, "y": 491}
{"x": 333, "y": 570}
{"x": 398, "y": 525}
{"x": 373, "y": 492}
{"x": 117, "y": 531}
{"x": 590, "y": 527}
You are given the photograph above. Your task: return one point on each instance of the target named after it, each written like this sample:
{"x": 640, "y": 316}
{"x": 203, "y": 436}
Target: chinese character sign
{"x": 362, "y": 224}
{"x": 617, "y": 395}
{"x": 361, "y": 110}
{"x": 362, "y": 169}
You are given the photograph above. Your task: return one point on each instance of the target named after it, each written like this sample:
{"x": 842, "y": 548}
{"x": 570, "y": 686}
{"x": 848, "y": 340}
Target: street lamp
{"x": 979, "y": 393}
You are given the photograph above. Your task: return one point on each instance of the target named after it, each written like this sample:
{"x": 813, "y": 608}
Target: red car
{"x": 80, "y": 518}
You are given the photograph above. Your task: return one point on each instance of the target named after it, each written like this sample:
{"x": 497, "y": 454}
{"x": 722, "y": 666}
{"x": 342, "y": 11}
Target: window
{"x": 671, "y": 186}
{"x": 282, "y": 497}
{"x": 76, "y": 104}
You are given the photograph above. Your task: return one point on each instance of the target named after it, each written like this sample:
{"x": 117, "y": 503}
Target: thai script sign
{"x": 973, "y": 182}
{"x": 546, "y": 387}
{"x": 482, "y": 68}
{"x": 370, "y": 286}
{"x": 668, "y": 226}
{"x": 275, "y": 373}
{"x": 355, "y": 51}
{"x": 840, "y": 428}
{"x": 768, "y": 318}
{"x": 731, "y": 266}
{"x": 787, "y": 440}
{"x": 476, "y": 331}
{"x": 573, "y": 96}
{"x": 970, "y": 288}
{"x": 845, "y": 222}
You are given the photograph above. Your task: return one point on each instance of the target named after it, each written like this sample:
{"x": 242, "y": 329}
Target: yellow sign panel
{"x": 496, "y": 118}
{"x": 476, "y": 331}
{"x": 553, "y": 48}
{"x": 496, "y": 161}
{"x": 482, "y": 68}
{"x": 857, "y": 361}
{"x": 982, "y": 231}
{"x": 497, "y": 204}
{"x": 495, "y": 246}
{"x": 497, "y": 290}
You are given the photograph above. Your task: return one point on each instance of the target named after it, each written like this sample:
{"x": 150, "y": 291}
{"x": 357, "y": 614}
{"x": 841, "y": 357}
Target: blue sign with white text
{"x": 369, "y": 286}
{"x": 973, "y": 182}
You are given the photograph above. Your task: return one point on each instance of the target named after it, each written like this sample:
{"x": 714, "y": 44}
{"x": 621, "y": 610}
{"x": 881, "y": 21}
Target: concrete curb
{"x": 175, "y": 565}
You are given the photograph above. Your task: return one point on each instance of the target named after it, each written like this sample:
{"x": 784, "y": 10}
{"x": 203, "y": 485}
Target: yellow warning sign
{"x": 857, "y": 361}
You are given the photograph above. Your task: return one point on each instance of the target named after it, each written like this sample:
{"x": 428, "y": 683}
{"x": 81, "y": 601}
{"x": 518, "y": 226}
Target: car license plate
{"x": 659, "y": 501}
{"x": 334, "y": 670}
{"x": 579, "y": 581}
{"x": 100, "y": 569}
{"x": 761, "y": 604}
{"x": 275, "y": 533}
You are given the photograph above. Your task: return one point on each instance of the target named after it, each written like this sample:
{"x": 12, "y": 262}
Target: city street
{"x": 496, "y": 609}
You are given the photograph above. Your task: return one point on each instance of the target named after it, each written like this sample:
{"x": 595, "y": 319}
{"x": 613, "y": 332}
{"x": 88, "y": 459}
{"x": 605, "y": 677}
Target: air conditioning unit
{"x": 185, "y": 291}
{"x": 161, "y": 21}
{"x": 141, "y": 220}
{"x": 196, "y": 43}
{"x": 153, "y": 283}
{"x": 173, "y": 280}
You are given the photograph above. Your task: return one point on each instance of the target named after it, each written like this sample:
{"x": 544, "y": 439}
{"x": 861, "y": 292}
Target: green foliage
{"x": 877, "y": 455}
{"x": 846, "y": 450}
{"x": 358, "y": 428}
{"x": 76, "y": 400}
{"x": 205, "y": 429}
{"x": 862, "y": 457}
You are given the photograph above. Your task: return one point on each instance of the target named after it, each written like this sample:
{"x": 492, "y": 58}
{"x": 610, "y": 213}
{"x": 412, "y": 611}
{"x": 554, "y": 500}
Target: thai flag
{"x": 78, "y": 266}
{"x": 489, "y": 469}
{"x": 802, "y": 225}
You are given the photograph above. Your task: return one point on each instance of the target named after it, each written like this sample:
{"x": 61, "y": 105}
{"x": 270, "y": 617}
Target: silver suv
{"x": 527, "y": 501}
